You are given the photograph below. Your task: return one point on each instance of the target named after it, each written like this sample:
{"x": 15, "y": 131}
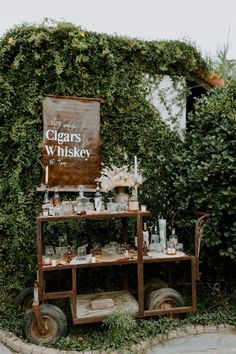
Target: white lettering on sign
{"x": 62, "y": 138}
{"x": 59, "y": 162}
{"x": 68, "y": 152}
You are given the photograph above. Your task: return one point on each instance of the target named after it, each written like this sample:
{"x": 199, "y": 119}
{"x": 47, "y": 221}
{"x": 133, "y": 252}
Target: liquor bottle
{"x": 69, "y": 254}
{"x": 162, "y": 231}
{"x": 46, "y": 203}
{"x": 173, "y": 237}
{"x": 56, "y": 198}
{"x": 133, "y": 201}
{"x": 145, "y": 249}
{"x": 145, "y": 234}
{"x": 154, "y": 234}
{"x": 97, "y": 198}
{"x": 81, "y": 200}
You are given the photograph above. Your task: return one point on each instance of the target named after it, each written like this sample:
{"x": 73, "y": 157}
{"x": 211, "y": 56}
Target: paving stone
{"x": 191, "y": 330}
{"x": 210, "y": 329}
{"x": 172, "y": 335}
{"x": 3, "y": 337}
{"x": 10, "y": 340}
{"x": 15, "y": 345}
{"x": 51, "y": 351}
{"x": 181, "y": 333}
{"x": 27, "y": 348}
{"x": 37, "y": 349}
{"x": 200, "y": 329}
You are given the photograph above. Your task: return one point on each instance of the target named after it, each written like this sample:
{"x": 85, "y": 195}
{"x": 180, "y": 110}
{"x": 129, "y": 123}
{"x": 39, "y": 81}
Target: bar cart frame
{"x": 140, "y": 262}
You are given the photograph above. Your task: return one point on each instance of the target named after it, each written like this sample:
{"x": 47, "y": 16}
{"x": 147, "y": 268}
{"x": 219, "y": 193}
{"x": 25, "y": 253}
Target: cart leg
{"x": 39, "y": 319}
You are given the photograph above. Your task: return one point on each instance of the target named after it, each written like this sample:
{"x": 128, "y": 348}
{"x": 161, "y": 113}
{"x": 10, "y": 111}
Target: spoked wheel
{"x": 25, "y": 300}
{"x": 165, "y": 299}
{"x": 54, "y": 320}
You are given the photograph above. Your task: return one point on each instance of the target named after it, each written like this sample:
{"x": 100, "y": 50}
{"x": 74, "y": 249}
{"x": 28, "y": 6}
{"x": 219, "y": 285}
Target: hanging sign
{"x": 71, "y": 153}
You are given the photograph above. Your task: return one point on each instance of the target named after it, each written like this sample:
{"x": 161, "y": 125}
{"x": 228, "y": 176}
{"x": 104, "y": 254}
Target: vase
{"x": 122, "y": 197}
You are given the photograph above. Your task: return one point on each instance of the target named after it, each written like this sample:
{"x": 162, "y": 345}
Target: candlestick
{"x": 135, "y": 167}
{"x": 46, "y": 175}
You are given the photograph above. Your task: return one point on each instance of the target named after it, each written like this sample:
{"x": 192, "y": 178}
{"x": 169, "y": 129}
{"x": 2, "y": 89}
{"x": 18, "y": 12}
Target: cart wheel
{"x": 55, "y": 322}
{"x": 151, "y": 285}
{"x": 25, "y": 300}
{"x": 165, "y": 299}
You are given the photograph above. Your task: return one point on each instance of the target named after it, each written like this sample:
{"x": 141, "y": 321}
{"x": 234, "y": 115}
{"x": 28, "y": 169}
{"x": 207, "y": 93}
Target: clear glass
{"x": 173, "y": 237}
{"x": 97, "y": 198}
{"x": 57, "y": 210}
{"x": 110, "y": 205}
{"x": 63, "y": 241}
{"x": 67, "y": 208}
{"x": 89, "y": 206}
{"x": 49, "y": 251}
{"x": 81, "y": 252}
{"x": 100, "y": 206}
{"x": 81, "y": 200}
{"x": 61, "y": 253}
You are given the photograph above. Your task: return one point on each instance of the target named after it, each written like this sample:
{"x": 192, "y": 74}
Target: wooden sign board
{"x": 71, "y": 153}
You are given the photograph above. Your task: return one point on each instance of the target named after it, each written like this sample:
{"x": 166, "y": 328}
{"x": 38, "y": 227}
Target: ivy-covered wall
{"x": 65, "y": 60}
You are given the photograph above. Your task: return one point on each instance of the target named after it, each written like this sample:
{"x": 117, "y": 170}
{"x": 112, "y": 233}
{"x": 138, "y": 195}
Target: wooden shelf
{"x": 121, "y": 299}
{"x": 94, "y": 215}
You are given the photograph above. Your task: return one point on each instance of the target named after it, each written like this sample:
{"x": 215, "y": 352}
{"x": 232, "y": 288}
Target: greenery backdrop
{"x": 65, "y": 60}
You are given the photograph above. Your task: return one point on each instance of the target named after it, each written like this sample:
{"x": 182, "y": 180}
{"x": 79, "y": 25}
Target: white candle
{"x": 135, "y": 167}
{"x": 46, "y": 175}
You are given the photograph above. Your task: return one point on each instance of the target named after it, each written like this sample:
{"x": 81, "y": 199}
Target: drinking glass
{"x": 63, "y": 241}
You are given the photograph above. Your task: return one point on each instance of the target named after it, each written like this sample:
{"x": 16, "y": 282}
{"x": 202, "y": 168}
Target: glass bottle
{"x": 133, "y": 201}
{"x": 81, "y": 200}
{"x": 69, "y": 254}
{"x": 154, "y": 234}
{"x": 97, "y": 198}
{"x": 46, "y": 203}
{"x": 162, "y": 231}
{"x": 173, "y": 237}
{"x": 56, "y": 197}
{"x": 145, "y": 234}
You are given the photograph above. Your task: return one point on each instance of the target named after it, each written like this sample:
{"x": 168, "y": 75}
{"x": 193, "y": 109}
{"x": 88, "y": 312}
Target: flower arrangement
{"x": 112, "y": 177}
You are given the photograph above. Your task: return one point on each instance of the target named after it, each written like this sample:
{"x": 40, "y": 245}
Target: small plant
{"x": 120, "y": 326}
{"x": 11, "y": 318}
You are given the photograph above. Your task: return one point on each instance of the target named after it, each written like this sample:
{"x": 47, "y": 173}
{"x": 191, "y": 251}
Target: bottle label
{"x": 56, "y": 202}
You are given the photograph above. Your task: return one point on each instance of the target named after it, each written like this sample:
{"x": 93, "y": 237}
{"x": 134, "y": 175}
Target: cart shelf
{"x": 121, "y": 299}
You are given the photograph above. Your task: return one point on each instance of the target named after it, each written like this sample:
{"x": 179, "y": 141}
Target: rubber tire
{"x": 25, "y": 300}
{"x": 151, "y": 285}
{"x": 54, "y": 319}
{"x": 165, "y": 297}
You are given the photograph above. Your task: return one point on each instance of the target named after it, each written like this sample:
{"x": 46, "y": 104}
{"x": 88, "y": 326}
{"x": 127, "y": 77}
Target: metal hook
{"x": 217, "y": 287}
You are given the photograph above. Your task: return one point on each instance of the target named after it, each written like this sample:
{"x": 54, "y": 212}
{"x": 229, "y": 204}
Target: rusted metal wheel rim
{"x": 51, "y": 330}
{"x": 166, "y": 304}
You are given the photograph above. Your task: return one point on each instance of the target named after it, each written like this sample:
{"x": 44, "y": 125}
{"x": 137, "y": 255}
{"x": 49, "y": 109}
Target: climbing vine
{"x": 62, "y": 59}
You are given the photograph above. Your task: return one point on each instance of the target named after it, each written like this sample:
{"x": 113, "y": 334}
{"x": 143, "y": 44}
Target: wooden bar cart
{"x": 46, "y": 322}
